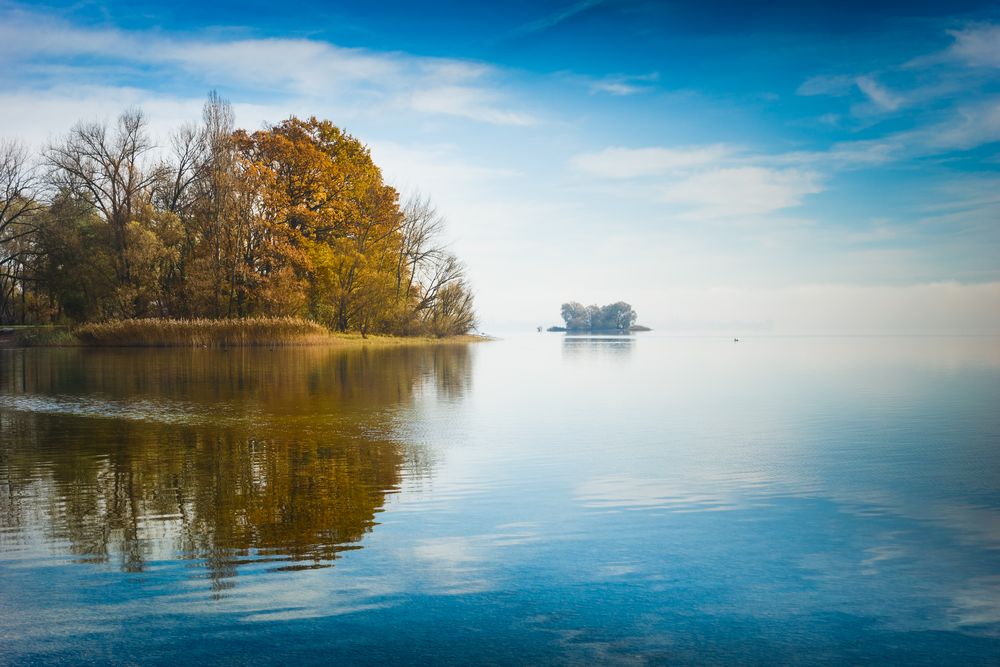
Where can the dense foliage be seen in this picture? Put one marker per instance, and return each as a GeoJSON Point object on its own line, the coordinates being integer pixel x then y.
{"type": "Point", "coordinates": [612, 317]}
{"type": "Point", "coordinates": [292, 220]}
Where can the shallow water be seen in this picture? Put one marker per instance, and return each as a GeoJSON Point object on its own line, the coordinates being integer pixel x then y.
{"type": "Point", "coordinates": [538, 499]}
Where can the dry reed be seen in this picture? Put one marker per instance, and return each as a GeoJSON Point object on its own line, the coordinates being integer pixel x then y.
{"type": "Point", "coordinates": [249, 332]}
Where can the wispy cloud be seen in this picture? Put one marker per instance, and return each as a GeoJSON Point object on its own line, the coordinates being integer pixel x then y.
{"type": "Point", "coordinates": [881, 96]}
{"type": "Point", "coordinates": [624, 84]}
{"type": "Point", "coordinates": [975, 45]}
{"type": "Point", "coordinates": [556, 18]}
{"type": "Point", "coordinates": [978, 45]}
{"type": "Point", "coordinates": [954, 82]}
{"type": "Point", "coordinates": [468, 102]}
{"type": "Point", "coordinates": [39, 52]}
{"type": "Point", "coordinates": [825, 84]}
{"type": "Point", "coordinates": [625, 163]}
{"type": "Point", "coordinates": [709, 182]}
{"type": "Point", "coordinates": [739, 192]}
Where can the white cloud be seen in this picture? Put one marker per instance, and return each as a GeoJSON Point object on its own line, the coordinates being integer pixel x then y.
{"type": "Point", "coordinates": [431, 167]}
{"type": "Point", "coordinates": [739, 192]}
{"type": "Point", "coordinates": [616, 87]}
{"type": "Point", "coordinates": [31, 44]}
{"type": "Point", "coordinates": [625, 163]}
{"type": "Point", "coordinates": [467, 102]}
{"type": "Point", "coordinates": [40, 116]}
{"type": "Point", "coordinates": [978, 45]}
{"type": "Point", "coordinates": [881, 96]}
{"type": "Point", "coordinates": [826, 85]}
{"type": "Point", "coordinates": [968, 126]}
{"type": "Point", "coordinates": [624, 84]}
{"type": "Point", "coordinates": [960, 128]}
{"type": "Point", "coordinates": [709, 182]}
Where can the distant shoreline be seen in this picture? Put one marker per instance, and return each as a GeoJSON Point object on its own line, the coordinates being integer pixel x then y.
{"type": "Point", "coordinates": [203, 333]}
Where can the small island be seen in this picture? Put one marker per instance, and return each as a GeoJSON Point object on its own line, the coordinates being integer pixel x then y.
{"type": "Point", "coordinates": [616, 317]}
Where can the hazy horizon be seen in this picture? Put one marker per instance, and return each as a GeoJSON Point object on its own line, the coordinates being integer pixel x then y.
{"type": "Point", "coordinates": [723, 169]}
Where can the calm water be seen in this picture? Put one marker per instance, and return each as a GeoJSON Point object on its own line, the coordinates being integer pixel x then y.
{"type": "Point", "coordinates": [539, 499]}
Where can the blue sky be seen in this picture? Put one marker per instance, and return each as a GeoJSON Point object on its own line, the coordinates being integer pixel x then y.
{"type": "Point", "coordinates": [792, 167]}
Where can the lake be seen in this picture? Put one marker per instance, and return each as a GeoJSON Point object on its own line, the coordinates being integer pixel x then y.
{"type": "Point", "coordinates": [539, 499]}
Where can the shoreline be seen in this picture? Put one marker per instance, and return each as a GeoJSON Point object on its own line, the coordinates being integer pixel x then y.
{"type": "Point", "coordinates": [212, 334]}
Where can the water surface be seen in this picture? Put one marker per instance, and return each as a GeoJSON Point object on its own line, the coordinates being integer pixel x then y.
{"type": "Point", "coordinates": [549, 498]}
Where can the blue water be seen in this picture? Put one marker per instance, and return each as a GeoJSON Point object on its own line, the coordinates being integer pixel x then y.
{"type": "Point", "coordinates": [540, 499]}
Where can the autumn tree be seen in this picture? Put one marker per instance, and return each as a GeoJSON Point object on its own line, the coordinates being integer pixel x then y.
{"type": "Point", "coordinates": [294, 219]}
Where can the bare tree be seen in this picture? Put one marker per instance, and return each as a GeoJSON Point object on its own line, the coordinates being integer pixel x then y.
{"type": "Point", "coordinates": [429, 274]}
{"type": "Point", "coordinates": [108, 168]}
{"type": "Point", "coordinates": [222, 224]}
{"type": "Point", "coordinates": [176, 191]}
{"type": "Point", "coordinates": [19, 188]}
{"type": "Point", "coordinates": [422, 228]}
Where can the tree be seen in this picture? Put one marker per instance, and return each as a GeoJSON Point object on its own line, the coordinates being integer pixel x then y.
{"type": "Point", "coordinates": [70, 229]}
{"type": "Point", "coordinates": [325, 189]}
{"type": "Point", "coordinates": [294, 219]}
{"type": "Point", "coordinates": [616, 316]}
{"type": "Point", "coordinates": [576, 316]}
{"type": "Point", "coordinates": [107, 167]}
{"type": "Point", "coordinates": [19, 204]}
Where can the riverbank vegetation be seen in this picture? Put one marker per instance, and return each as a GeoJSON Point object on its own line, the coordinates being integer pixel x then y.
{"type": "Point", "coordinates": [290, 228]}
{"type": "Point", "coordinates": [220, 333]}
{"type": "Point", "coordinates": [248, 332]}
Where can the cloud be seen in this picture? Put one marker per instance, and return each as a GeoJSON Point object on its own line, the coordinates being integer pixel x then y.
{"type": "Point", "coordinates": [625, 163]}
{"type": "Point", "coordinates": [879, 94]}
{"type": "Point", "coordinates": [739, 192]}
{"type": "Point", "coordinates": [556, 18]}
{"type": "Point", "coordinates": [41, 53]}
{"type": "Point", "coordinates": [838, 86]}
{"type": "Point", "coordinates": [707, 182]}
{"type": "Point", "coordinates": [962, 127]}
{"type": "Point", "coordinates": [976, 46]}
{"type": "Point", "coordinates": [473, 103]}
{"type": "Point", "coordinates": [826, 85]}
{"type": "Point", "coordinates": [432, 167]}
{"type": "Point", "coordinates": [968, 126]}
{"type": "Point", "coordinates": [624, 84]}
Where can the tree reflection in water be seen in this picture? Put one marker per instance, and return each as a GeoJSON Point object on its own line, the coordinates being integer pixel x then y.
{"type": "Point", "coordinates": [598, 345]}
{"type": "Point", "coordinates": [227, 458]}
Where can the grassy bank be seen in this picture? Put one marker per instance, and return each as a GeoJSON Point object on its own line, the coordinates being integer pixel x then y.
{"type": "Point", "coordinates": [250, 332]}
{"type": "Point", "coordinates": [37, 336]}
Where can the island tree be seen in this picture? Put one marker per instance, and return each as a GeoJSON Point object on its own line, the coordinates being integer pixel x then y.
{"type": "Point", "coordinates": [613, 317]}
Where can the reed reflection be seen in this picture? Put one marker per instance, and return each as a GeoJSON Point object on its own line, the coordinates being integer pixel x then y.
{"type": "Point", "coordinates": [282, 457]}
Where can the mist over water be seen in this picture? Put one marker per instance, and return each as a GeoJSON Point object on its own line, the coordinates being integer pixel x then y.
{"type": "Point", "coordinates": [543, 498]}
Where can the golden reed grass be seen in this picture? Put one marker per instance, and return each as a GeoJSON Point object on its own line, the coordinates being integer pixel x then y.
{"type": "Point", "coordinates": [249, 332]}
